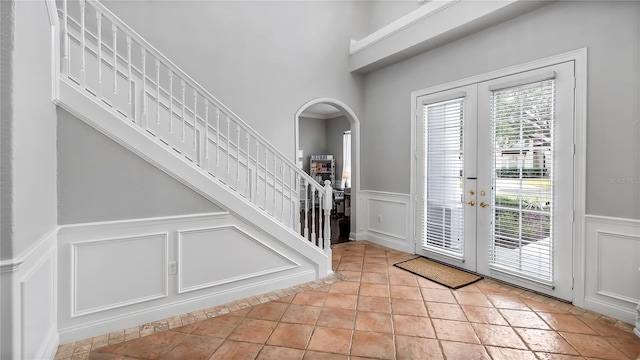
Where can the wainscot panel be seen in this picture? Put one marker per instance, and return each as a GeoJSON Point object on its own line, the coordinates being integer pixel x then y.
{"type": "Point", "coordinates": [30, 295]}
{"type": "Point", "coordinates": [612, 279]}
{"type": "Point", "coordinates": [119, 274]}
{"type": "Point", "coordinates": [386, 219]}
{"type": "Point", "coordinates": [202, 265]}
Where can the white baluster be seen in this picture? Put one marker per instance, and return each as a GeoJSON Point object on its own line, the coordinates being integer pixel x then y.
{"type": "Point", "coordinates": [291, 201]}
{"type": "Point", "coordinates": [195, 120]}
{"type": "Point", "coordinates": [65, 15]}
{"type": "Point", "coordinates": [320, 217]}
{"type": "Point", "coordinates": [328, 205]}
{"type": "Point", "coordinates": [237, 155]}
{"type": "Point", "coordinates": [275, 178]}
{"type": "Point", "coordinates": [228, 143]}
{"type": "Point", "coordinates": [184, 89]}
{"type": "Point", "coordinates": [170, 102]}
{"type": "Point", "coordinates": [204, 162]}
{"type": "Point", "coordinates": [217, 137]}
{"type": "Point", "coordinates": [248, 189]}
{"type": "Point", "coordinates": [306, 209]}
{"type": "Point", "coordinates": [114, 30]}
{"type": "Point", "coordinates": [99, 25]}
{"type": "Point", "coordinates": [266, 172]}
{"type": "Point", "coordinates": [129, 78]}
{"type": "Point", "coordinates": [206, 131]}
{"type": "Point", "coordinates": [83, 73]}
{"type": "Point", "coordinates": [157, 92]}
{"type": "Point", "coordinates": [282, 191]}
{"type": "Point", "coordinates": [257, 171]}
{"type": "Point", "coordinates": [145, 114]}
{"type": "Point", "coordinates": [313, 215]}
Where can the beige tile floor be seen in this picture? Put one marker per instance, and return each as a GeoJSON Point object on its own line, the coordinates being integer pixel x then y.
{"type": "Point", "coordinates": [372, 310]}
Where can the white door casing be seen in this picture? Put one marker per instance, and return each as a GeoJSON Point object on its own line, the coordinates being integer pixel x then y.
{"type": "Point", "coordinates": [556, 202]}
{"type": "Point", "coordinates": [452, 172]}
{"type": "Point", "coordinates": [477, 182]}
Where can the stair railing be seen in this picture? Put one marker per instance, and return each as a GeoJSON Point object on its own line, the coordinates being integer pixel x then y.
{"type": "Point", "coordinates": [107, 61]}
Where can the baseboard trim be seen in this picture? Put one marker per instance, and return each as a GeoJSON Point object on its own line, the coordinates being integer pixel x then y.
{"type": "Point", "coordinates": [388, 242]}
{"type": "Point", "coordinates": [49, 350]}
{"type": "Point", "coordinates": [609, 309]}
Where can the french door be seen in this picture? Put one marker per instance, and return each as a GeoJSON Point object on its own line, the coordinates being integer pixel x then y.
{"type": "Point", "coordinates": [495, 178]}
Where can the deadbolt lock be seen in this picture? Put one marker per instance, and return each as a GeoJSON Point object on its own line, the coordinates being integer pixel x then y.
{"type": "Point", "coordinates": [471, 192]}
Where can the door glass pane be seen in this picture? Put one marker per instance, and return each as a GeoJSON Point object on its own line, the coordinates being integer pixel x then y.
{"type": "Point", "coordinates": [522, 171]}
{"type": "Point", "coordinates": [443, 217]}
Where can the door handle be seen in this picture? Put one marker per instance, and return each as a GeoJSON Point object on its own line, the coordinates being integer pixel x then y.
{"type": "Point", "coordinates": [471, 202]}
{"type": "Point", "coordinates": [483, 204]}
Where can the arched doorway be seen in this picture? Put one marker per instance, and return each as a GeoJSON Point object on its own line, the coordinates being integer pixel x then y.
{"type": "Point", "coordinates": [327, 108]}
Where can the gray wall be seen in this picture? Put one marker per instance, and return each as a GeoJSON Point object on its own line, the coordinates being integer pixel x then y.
{"type": "Point", "coordinates": [32, 164]}
{"type": "Point", "coordinates": [382, 13]}
{"type": "Point", "coordinates": [6, 125]}
{"type": "Point", "coordinates": [610, 31]}
{"type": "Point", "coordinates": [313, 139]}
{"type": "Point", "coordinates": [335, 128]}
{"type": "Point", "coordinates": [99, 180]}
{"type": "Point", "coordinates": [319, 136]}
{"type": "Point", "coordinates": [263, 59]}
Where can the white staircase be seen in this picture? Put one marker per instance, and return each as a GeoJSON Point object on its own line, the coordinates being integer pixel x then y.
{"type": "Point", "coordinates": [110, 77]}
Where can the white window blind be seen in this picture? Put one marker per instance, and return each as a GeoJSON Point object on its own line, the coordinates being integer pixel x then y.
{"type": "Point", "coordinates": [443, 215]}
{"type": "Point", "coordinates": [522, 170]}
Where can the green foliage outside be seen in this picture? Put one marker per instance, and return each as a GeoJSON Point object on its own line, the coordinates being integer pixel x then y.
{"type": "Point", "coordinates": [517, 218]}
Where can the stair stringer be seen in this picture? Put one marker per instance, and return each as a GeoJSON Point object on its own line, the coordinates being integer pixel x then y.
{"type": "Point", "coordinates": [151, 150]}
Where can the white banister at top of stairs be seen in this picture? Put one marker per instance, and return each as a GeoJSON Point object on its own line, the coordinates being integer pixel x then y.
{"type": "Point", "coordinates": [107, 61]}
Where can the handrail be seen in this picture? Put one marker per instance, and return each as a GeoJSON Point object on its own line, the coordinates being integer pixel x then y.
{"type": "Point", "coordinates": [101, 63]}
{"type": "Point", "coordinates": [183, 75]}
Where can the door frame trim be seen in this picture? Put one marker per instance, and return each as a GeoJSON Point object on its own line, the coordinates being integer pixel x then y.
{"type": "Point", "coordinates": [354, 122]}
{"type": "Point", "coordinates": [579, 57]}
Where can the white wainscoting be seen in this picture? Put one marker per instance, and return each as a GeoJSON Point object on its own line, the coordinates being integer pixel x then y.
{"type": "Point", "coordinates": [385, 218]}
{"type": "Point", "coordinates": [201, 265]}
{"type": "Point", "coordinates": [30, 299]}
{"type": "Point", "coordinates": [142, 260]}
{"type": "Point", "coordinates": [612, 260]}
{"type": "Point", "coordinates": [119, 274]}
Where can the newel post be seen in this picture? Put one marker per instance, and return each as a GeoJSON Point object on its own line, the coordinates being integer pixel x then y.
{"type": "Point", "coordinates": [327, 206]}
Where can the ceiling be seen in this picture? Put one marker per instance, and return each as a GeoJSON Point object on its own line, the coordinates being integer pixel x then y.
{"type": "Point", "coordinates": [321, 111]}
